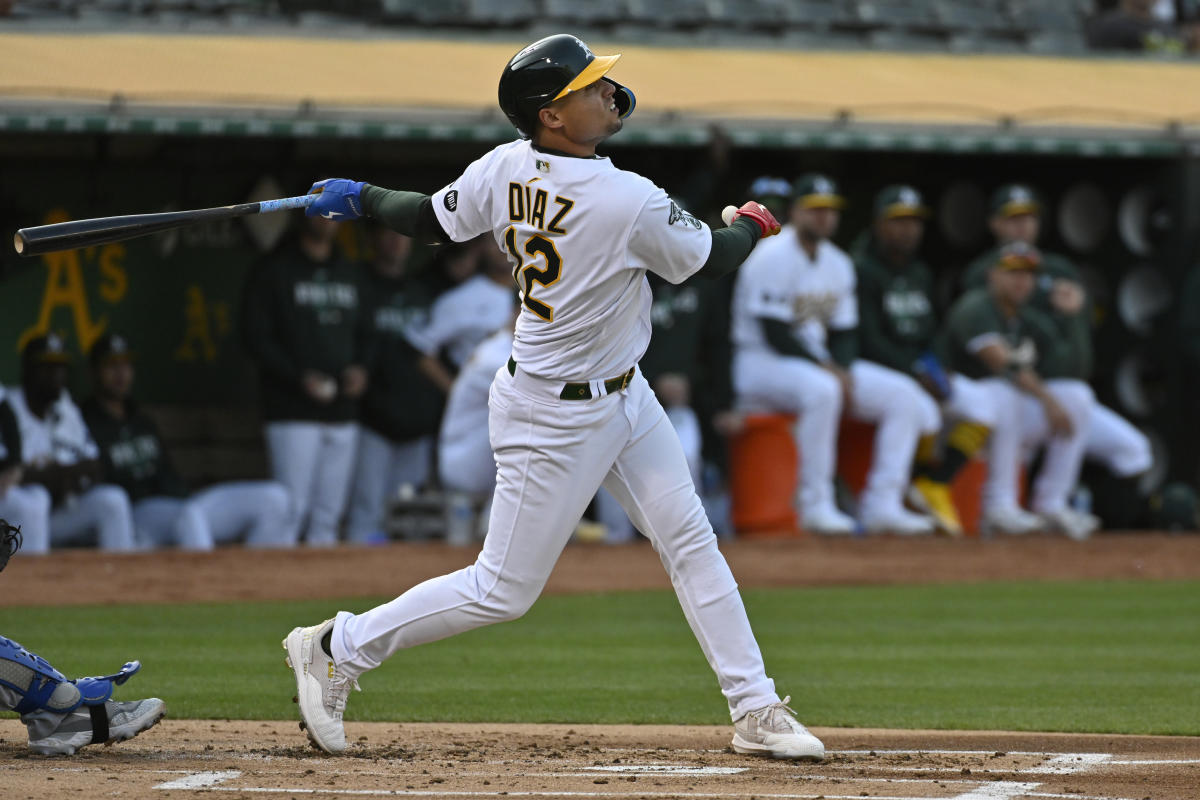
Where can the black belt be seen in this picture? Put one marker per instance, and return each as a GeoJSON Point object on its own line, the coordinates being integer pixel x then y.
{"type": "Point", "coordinates": [583, 391]}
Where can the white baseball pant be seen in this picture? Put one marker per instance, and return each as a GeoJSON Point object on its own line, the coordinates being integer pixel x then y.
{"type": "Point", "coordinates": [1022, 426]}
{"type": "Point", "coordinates": [1117, 444]}
{"type": "Point", "coordinates": [382, 467]}
{"type": "Point", "coordinates": [466, 465]}
{"type": "Point", "coordinates": [219, 514]}
{"type": "Point", "coordinates": [687, 428]}
{"type": "Point", "coordinates": [552, 455]}
{"type": "Point", "coordinates": [314, 460]}
{"type": "Point", "coordinates": [29, 507]}
{"type": "Point", "coordinates": [103, 511]}
{"type": "Point", "coordinates": [901, 410]}
{"type": "Point", "coordinates": [970, 400]}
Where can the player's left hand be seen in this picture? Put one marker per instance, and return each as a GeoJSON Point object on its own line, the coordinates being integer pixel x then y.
{"type": "Point", "coordinates": [757, 212]}
{"type": "Point", "coordinates": [338, 199]}
{"type": "Point", "coordinates": [354, 380]}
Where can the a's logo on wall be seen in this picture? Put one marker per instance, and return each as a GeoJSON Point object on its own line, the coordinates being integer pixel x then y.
{"type": "Point", "coordinates": [451, 200]}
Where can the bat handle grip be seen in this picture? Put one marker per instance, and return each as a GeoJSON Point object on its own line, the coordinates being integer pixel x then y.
{"type": "Point", "coordinates": [284, 203]}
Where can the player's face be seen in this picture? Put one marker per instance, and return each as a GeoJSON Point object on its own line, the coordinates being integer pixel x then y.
{"type": "Point", "coordinates": [46, 381]}
{"type": "Point", "coordinates": [1017, 228]}
{"type": "Point", "coordinates": [114, 378]}
{"type": "Point", "coordinates": [391, 252]}
{"type": "Point", "coordinates": [901, 234]}
{"type": "Point", "coordinates": [1014, 285]}
{"type": "Point", "coordinates": [816, 223]}
{"type": "Point", "coordinates": [587, 116]}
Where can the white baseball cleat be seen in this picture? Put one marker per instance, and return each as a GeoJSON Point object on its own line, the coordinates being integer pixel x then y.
{"type": "Point", "coordinates": [774, 731]}
{"type": "Point", "coordinates": [1075, 524]}
{"type": "Point", "coordinates": [828, 521]}
{"type": "Point", "coordinates": [321, 689]}
{"type": "Point", "coordinates": [1013, 521]}
{"type": "Point", "coordinates": [899, 521]}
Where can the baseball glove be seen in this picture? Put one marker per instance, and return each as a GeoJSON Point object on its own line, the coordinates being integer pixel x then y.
{"type": "Point", "coordinates": [10, 541]}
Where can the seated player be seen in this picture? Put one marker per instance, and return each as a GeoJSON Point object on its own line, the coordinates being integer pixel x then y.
{"type": "Point", "coordinates": [135, 458]}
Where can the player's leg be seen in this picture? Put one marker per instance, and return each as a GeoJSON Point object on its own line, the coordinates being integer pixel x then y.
{"type": "Point", "coordinates": [796, 386]}
{"type": "Point", "coordinates": [467, 471]}
{"type": "Point", "coordinates": [1116, 443]}
{"type": "Point", "coordinates": [28, 507]}
{"type": "Point", "coordinates": [902, 412]}
{"type": "Point", "coordinates": [368, 494]}
{"type": "Point", "coordinates": [154, 519]}
{"type": "Point", "coordinates": [1015, 420]}
{"type": "Point", "coordinates": [103, 510]}
{"type": "Point", "coordinates": [259, 509]}
{"type": "Point", "coordinates": [62, 716]}
{"type": "Point", "coordinates": [551, 456]}
{"type": "Point", "coordinates": [293, 449]}
{"type": "Point", "coordinates": [1063, 460]}
{"type": "Point", "coordinates": [331, 482]}
{"type": "Point", "coordinates": [971, 415]}
{"type": "Point", "coordinates": [651, 479]}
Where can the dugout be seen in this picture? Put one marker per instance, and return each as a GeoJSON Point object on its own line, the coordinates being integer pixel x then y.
{"type": "Point", "coordinates": [107, 123]}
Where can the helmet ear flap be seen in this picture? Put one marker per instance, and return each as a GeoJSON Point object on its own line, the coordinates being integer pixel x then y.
{"type": "Point", "coordinates": [623, 98]}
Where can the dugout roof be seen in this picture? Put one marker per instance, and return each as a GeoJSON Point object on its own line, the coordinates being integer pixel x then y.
{"type": "Point", "coordinates": [418, 88]}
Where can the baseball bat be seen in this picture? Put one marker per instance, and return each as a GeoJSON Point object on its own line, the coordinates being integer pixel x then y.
{"type": "Point", "coordinates": [102, 230]}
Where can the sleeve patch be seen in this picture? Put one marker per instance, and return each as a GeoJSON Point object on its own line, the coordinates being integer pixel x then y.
{"type": "Point", "coordinates": [679, 215]}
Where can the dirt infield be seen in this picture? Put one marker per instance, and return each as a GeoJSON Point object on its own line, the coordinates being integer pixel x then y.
{"type": "Point", "coordinates": [187, 759]}
{"type": "Point", "coordinates": [233, 574]}
{"type": "Point", "coordinates": [182, 758]}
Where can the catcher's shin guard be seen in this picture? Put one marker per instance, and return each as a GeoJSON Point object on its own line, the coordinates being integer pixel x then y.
{"type": "Point", "coordinates": [41, 686]}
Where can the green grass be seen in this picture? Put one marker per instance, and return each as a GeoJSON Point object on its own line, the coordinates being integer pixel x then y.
{"type": "Point", "coordinates": [1120, 657]}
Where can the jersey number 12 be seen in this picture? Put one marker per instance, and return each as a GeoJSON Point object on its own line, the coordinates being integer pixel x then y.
{"type": "Point", "coordinates": [526, 275]}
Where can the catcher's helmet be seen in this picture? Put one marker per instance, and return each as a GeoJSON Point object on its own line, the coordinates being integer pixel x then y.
{"type": "Point", "coordinates": [551, 68]}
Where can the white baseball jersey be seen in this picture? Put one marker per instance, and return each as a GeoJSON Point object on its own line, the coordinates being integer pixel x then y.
{"type": "Point", "coordinates": [585, 298]}
{"type": "Point", "coordinates": [779, 281]}
{"type": "Point", "coordinates": [463, 317]}
{"type": "Point", "coordinates": [61, 438]}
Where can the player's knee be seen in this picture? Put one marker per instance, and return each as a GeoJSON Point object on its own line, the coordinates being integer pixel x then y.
{"type": "Point", "coordinates": [111, 500]}
{"type": "Point", "coordinates": [822, 391]}
{"type": "Point", "coordinates": [1135, 456]}
{"type": "Point", "coordinates": [511, 599]}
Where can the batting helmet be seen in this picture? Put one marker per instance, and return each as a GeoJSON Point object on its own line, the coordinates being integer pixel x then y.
{"type": "Point", "coordinates": [549, 69]}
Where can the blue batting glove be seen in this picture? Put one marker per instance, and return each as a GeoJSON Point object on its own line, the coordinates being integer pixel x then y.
{"type": "Point", "coordinates": [337, 199]}
{"type": "Point", "coordinates": [928, 367]}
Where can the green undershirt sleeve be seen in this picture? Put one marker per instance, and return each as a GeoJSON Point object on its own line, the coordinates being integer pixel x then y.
{"type": "Point", "coordinates": [843, 345]}
{"type": "Point", "coordinates": [730, 247]}
{"type": "Point", "coordinates": [779, 337]}
{"type": "Point", "coordinates": [410, 213]}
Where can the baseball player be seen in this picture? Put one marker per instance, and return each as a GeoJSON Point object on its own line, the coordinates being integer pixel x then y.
{"type": "Point", "coordinates": [994, 335]}
{"type": "Point", "coordinates": [400, 409]}
{"type": "Point", "coordinates": [795, 315]}
{"type": "Point", "coordinates": [302, 322]}
{"type": "Point", "coordinates": [60, 454]}
{"type": "Point", "coordinates": [569, 410]}
{"type": "Point", "coordinates": [62, 716]}
{"type": "Point", "coordinates": [464, 316]}
{"type": "Point", "coordinates": [686, 363]}
{"type": "Point", "coordinates": [28, 504]}
{"type": "Point", "coordinates": [136, 459]}
{"type": "Point", "coordinates": [1059, 294]}
{"type": "Point", "coordinates": [898, 329]}
{"type": "Point", "coordinates": [466, 469]}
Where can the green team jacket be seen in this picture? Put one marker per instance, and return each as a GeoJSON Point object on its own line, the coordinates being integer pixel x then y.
{"type": "Point", "coordinates": [132, 452]}
{"type": "Point", "coordinates": [1030, 334]}
{"type": "Point", "coordinates": [400, 403]}
{"type": "Point", "coordinates": [896, 322]}
{"type": "Point", "coordinates": [1074, 341]}
{"type": "Point", "coordinates": [300, 315]}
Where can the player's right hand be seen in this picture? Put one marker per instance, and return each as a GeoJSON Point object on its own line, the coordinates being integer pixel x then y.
{"type": "Point", "coordinates": [757, 212]}
{"type": "Point", "coordinates": [338, 199]}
